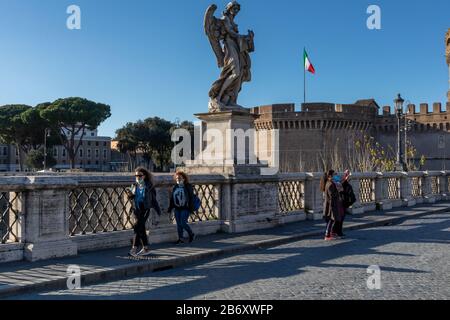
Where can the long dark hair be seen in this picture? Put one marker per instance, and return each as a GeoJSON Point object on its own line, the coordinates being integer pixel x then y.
{"type": "Point", "coordinates": [323, 181]}
{"type": "Point", "coordinates": [148, 176]}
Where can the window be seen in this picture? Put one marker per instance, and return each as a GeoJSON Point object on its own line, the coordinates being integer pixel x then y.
{"type": "Point", "coordinates": [96, 162]}
{"type": "Point", "coordinates": [55, 152]}
{"type": "Point", "coordinates": [96, 143]}
{"type": "Point", "coordinates": [92, 134]}
{"type": "Point", "coordinates": [89, 143]}
{"type": "Point", "coordinates": [5, 151]}
{"type": "Point", "coordinates": [89, 162]}
{"type": "Point", "coordinates": [96, 153]}
{"type": "Point", "coordinates": [104, 144]}
{"type": "Point", "coordinates": [104, 154]}
{"type": "Point", "coordinates": [81, 153]}
{"type": "Point", "coordinates": [88, 153]}
{"type": "Point", "coordinates": [64, 152]}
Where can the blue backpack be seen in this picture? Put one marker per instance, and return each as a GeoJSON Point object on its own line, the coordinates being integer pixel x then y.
{"type": "Point", "coordinates": [197, 203]}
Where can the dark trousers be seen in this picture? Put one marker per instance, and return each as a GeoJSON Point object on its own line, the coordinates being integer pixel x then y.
{"type": "Point", "coordinates": [330, 226]}
{"type": "Point", "coordinates": [182, 217]}
{"type": "Point", "coordinates": [339, 226]}
{"type": "Point", "coordinates": [140, 234]}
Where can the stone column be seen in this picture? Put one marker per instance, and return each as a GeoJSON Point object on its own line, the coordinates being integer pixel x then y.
{"type": "Point", "coordinates": [443, 185]}
{"type": "Point", "coordinates": [46, 221]}
{"type": "Point", "coordinates": [226, 213]}
{"type": "Point", "coordinates": [357, 207]}
{"type": "Point", "coordinates": [406, 190]}
{"type": "Point", "coordinates": [428, 197]}
{"type": "Point", "coordinates": [381, 195]}
{"type": "Point", "coordinates": [313, 196]}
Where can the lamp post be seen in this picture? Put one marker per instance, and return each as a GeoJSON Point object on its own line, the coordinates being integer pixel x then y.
{"type": "Point", "coordinates": [400, 165]}
{"type": "Point", "coordinates": [46, 134]}
{"type": "Point", "coordinates": [408, 127]}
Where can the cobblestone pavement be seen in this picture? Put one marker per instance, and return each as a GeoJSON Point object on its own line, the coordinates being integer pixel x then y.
{"type": "Point", "coordinates": [414, 258]}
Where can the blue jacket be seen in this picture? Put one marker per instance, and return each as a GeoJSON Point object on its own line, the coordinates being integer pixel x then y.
{"type": "Point", "coordinates": [150, 201]}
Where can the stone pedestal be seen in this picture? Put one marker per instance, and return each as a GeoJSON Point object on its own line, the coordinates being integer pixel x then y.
{"type": "Point", "coordinates": [228, 145]}
{"type": "Point", "coordinates": [46, 219]}
{"type": "Point", "coordinates": [314, 198]}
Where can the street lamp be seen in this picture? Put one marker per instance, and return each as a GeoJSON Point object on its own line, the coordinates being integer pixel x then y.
{"type": "Point", "coordinates": [46, 134]}
{"type": "Point", "coordinates": [400, 165]}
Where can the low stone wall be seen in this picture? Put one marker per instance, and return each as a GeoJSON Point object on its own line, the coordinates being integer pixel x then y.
{"type": "Point", "coordinates": [44, 217]}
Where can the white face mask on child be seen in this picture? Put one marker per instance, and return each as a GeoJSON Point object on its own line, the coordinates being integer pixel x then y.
{"type": "Point", "coordinates": [180, 181]}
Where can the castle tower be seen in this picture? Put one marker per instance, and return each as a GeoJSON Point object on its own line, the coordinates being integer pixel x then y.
{"type": "Point", "coordinates": [447, 54]}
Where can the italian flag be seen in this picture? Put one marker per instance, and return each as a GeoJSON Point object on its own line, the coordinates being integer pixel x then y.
{"type": "Point", "coordinates": [308, 65]}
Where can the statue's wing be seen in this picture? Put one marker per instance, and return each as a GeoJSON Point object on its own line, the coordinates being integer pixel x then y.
{"type": "Point", "coordinates": [213, 31]}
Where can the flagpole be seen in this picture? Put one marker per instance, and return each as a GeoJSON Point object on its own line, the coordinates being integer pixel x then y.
{"type": "Point", "coordinates": [304, 77]}
{"type": "Point", "coordinates": [304, 85]}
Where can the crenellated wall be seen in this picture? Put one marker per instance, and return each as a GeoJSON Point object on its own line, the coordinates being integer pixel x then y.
{"type": "Point", "coordinates": [306, 134]}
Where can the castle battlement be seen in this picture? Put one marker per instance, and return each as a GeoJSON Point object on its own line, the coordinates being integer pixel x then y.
{"type": "Point", "coordinates": [423, 109]}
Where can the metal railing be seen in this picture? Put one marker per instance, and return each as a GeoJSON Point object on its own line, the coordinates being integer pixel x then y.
{"type": "Point", "coordinates": [416, 186]}
{"type": "Point", "coordinates": [393, 188]}
{"type": "Point", "coordinates": [366, 190]}
{"type": "Point", "coordinates": [9, 217]}
{"type": "Point", "coordinates": [290, 196]}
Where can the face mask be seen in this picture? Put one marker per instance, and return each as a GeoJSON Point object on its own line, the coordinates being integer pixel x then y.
{"type": "Point", "coordinates": [140, 180]}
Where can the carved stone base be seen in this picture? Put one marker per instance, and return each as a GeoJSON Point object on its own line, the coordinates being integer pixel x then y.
{"type": "Point", "coordinates": [215, 106]}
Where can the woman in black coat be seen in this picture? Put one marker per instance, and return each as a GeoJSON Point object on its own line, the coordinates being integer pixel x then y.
{"type": "Point", "coordinates": [144, 195]}
{"type": "Point", "coordinates": [332, 207]}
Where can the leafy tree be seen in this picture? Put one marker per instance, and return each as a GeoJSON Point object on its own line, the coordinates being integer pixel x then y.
{"type": "Point", "coordinates": [158, 139]}
{"type": "Point", "coordinates": [35, 159]}
{"type": "Point", "coordinates": [72, 116]}
{"type": "Point", "coordinates": [12, 128]}
{"type": "Point", "coordinates": [128, 143]}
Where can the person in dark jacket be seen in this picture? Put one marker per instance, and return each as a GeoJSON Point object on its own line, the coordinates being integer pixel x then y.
{"type": "Point", "coordinates": [333, 207]}
{"type": "Point", "coordinates": [144, 195]}
{"type": "Point", "coordinates": [348, 199]}
{"type": "Point", "coordinates": [182, 200]}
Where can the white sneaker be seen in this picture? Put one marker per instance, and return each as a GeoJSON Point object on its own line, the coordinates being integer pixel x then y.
{"type": "Point", "coordinates": [132, 252]}
{"type": "Point", "coordinates": [144, 253]}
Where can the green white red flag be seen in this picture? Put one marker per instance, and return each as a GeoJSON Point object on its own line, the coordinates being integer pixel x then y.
{"type": "Point", "coordinates": [307, 63]}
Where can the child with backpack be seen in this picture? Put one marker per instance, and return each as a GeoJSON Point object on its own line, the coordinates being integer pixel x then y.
{"type": "Point", "coordinates": [184, 202]}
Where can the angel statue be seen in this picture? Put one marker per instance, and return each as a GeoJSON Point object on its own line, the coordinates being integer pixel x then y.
{"type": "Point", "coordinates": [232, 52]}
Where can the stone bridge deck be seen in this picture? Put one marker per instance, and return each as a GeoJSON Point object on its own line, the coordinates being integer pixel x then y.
{"type": "Point", "coordinates": [25, 277]}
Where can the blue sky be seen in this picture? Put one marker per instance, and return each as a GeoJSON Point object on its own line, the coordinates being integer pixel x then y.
{"type": "Point", "coordinates": [151, 58]}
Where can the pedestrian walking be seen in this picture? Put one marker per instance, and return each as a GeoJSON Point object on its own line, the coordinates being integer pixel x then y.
{"type": "Point", "coordinates": [144, 195]}
{"type": "Point", "coordinates": [348, 199]}
{"type": "Point", "coordinates": [333, 209]}
{"type": "Point", "coordinates": [182, 201]}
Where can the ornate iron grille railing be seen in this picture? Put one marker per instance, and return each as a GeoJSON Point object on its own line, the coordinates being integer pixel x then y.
{"type": "Point", "coordinates": [393, 188]}
{"type": "Point", "coordinates": [435, 185]}
{"type": "Point", "coordinates": [209, 196]}
{"type": "Point", "coordinates": [416, 185]}
{"type": "Point", "coordinates": [290, 196]}
{"type": "Point", "coordinates": [9, 217]}
{"type": "Point", "coordinates": [366, 190]}
{"type": "Point", "coordinates": [99, 209]}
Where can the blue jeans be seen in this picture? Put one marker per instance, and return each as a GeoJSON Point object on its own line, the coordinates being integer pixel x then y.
{"type": "Point", "coordinates": [181, 217]}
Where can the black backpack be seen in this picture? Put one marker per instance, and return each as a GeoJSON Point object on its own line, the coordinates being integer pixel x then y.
{"type": "Point", "coordinates": [349, 195]}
